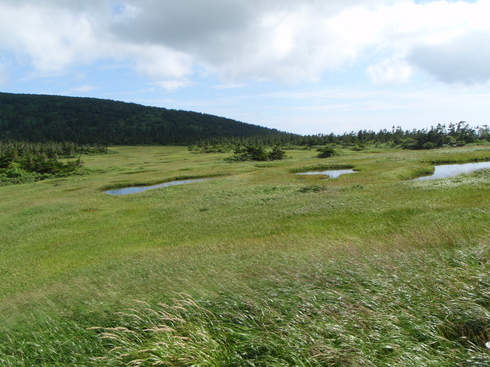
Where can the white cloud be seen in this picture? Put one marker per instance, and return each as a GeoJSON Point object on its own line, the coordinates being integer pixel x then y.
{"type": "Point", "coordinates": [50, 38]}
{"type": "Point", "coordinates": [158, 62]}
{"type": "Point", "coordinates": [241, 40]}
{"type": "Point", "coordinates": [390, 71]}
{"type": "Point", "coordinates": [465, 59]}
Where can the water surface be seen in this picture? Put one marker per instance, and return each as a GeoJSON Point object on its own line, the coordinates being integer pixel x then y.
{"type": "Point", "coordinates": [333, 173]}
{"type": "Point", "coordinates": [450, 170]}
{"type": "Point", "coordinates": [137, 189]}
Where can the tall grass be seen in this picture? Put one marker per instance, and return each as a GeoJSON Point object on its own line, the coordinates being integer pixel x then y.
{"type": "Point", "coordinates": [405, 308]}
{"type": "Point", "coordinates": [248, 269]}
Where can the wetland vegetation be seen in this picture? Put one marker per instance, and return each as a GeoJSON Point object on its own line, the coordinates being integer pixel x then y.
{"type": "Point", "coordinates": [256, 267]}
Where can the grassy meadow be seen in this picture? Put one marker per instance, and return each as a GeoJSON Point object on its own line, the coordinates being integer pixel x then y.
{"type": "Point", "coordinates": [258, 266]}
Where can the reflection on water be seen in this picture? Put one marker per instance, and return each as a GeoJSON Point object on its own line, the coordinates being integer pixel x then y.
{"type": "Point", "coordinates": [136, 189]}
{"type": "Point", "coordinates": [330, 173]}
{"type": "Point", "coordinates": [450, 170]}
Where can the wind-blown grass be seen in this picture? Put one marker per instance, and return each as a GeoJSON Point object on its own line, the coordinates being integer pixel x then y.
{"type": "Point", "coordinates": [378, 310]}
{"type": "Point", "coordinates": [367, 270]}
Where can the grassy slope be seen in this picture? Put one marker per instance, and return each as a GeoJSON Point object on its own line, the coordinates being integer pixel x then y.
{"type": "Point", "coordinates": [361, 269]}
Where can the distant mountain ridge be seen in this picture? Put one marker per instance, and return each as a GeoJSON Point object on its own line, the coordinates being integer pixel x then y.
{"type": "Point", "coordinates": [32, 117]}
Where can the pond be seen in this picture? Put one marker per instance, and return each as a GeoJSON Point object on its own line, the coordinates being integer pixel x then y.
{"type": "Point", "coordinates": [450, 170]}
{"type": "Point", "coordinates": [137, 189]}
{"type": "Point", "coordinates": [334, 173]}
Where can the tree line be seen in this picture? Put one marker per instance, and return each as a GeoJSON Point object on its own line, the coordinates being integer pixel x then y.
{"type": "Point", "coordinates": [454, 134]}
{"type": "Point", "coordinates": [40, 118]}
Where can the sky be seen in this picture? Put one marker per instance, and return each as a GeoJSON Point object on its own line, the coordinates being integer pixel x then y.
{"type": "Point", "coordinates": [301, 66]}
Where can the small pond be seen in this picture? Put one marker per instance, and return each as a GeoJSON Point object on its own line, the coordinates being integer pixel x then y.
{"type": "Point", "coordinates": [450, 170]}
{"type": "Point", "coordinates": [330, 173]}
{"type": "Point", "coordinates": [137, 189]}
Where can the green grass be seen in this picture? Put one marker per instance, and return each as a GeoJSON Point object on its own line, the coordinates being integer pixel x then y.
{"type": "Point", "coordinates": [266, 268]}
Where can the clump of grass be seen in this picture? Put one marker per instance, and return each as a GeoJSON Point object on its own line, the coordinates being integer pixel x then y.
{"type": "Point", "coordinates": [169, 335]}
{"type": "Point", "coordinates": [266, 165]}
{"type": "Point", "coordinates": [420, 171]}
{"type": "Point", "coordinates": [312, 188]}
{"type": "Point", "coordinates": [139, 171]}
{"type": "Point", "coordinates": [187, 334]}
{"type": "Point", "coordinates": [51, 342]}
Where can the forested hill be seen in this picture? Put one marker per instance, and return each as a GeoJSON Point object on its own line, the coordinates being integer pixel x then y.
{"type": "Point", "coordinates": [38, 118]}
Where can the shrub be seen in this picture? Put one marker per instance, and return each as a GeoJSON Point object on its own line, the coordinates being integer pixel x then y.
{"type": "Point", "coordinates": [256, 153]}
{"type": "Point", "coordinates": [326, 152]}
{"type": "Point", "coordinates": [276, 154]}
{"type": "Point", "coordinates": [15, 174]}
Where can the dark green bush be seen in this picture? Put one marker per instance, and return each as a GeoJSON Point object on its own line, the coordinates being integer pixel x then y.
{"type": "Point", "coordinates": [22, 162]}
{"type": "Point", "coordinates": [256, 153]}
{"type": "Point", "coordinates": [326, 152]}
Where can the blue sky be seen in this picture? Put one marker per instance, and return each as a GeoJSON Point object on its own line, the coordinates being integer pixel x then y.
{"type": "Point", "coordinates": [308, 67]}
